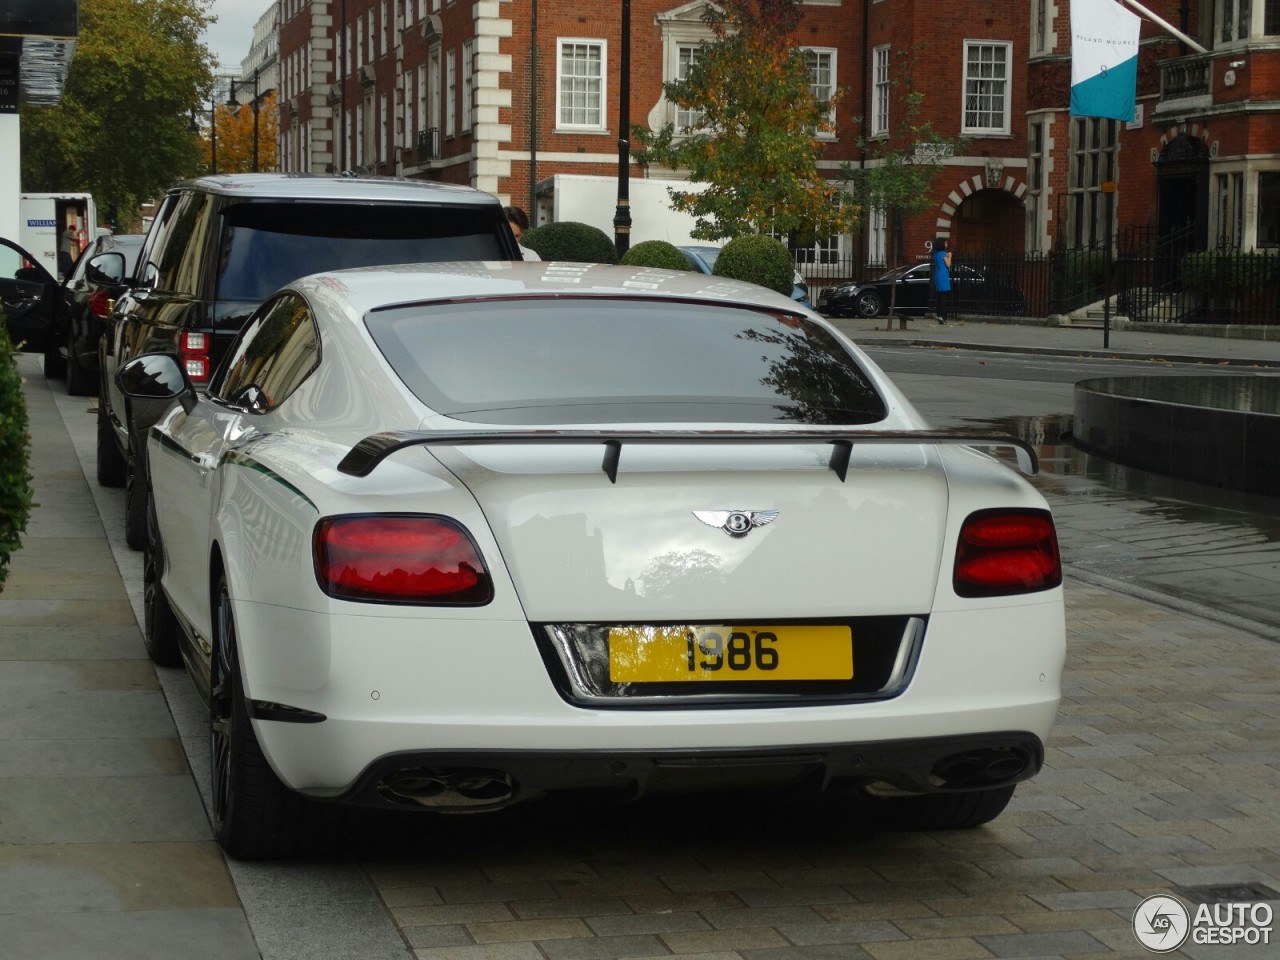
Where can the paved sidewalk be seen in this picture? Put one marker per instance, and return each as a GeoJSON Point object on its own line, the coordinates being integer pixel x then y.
{"type": "Point", "coordinates": [1034, 336]}
{"type": "Point", "coordinates": [1162, 773]}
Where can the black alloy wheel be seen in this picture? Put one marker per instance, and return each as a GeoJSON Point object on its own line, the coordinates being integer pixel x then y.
{"type": "Point", "coordinates": [159, 625]}
{"type": "Point", "coordinates": [137, 491]}
{"type": "Point", "coordinates": [111, 465]}
{"type": "Point", "coordinates": [255, 816]}
{"type": "Point", "coordinates": [868, 304]}
{"type": "Point", "coordinates": [80, 383]}
{"type": "Point", "coordinates": [55, 368]}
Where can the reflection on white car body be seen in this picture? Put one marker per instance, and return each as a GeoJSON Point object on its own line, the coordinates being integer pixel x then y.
{"type": "Point", "coordinates": [438, 536]}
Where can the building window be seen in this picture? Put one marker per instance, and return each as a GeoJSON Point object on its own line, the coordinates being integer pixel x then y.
{"type": "Point", "coordinates": [1269, 210]}
{"type": "Point", "coordinates": [433, 88]}
{"type": "Point", "coordinates": [877, 235]}
{"type": "Point", "coordinates": [580, 84]}
{"type": "Point", "coordinates": [371, 36]}
{"type": "Point", "coordinates": [880, 91]}
{"type": "Point", "coordinates": [386, 29]}
{"type": "Point", "coordinates": [986, 87]}
{"type": "Point", "coordinates": [822, 80]}
{"type": "Point", "coordinates": [1039, 26]}
{"type": "Point", "coordinates": [1237, 19]}
{"type": "Point", "coordinates": [450, 92]}
{"type": "Point", "coordinates": [406, 110]}
{"type": "Point", "coordinates": [1035, 185]}
{"type": "Point", "coordinates": [1230, 202]}
{"type": "Point", "coordinates": [1271, 18]}
{"type": "Point", "coordinates": [382, 129]}
{"type": "Point", "coordinates": [422, 97]}
{"type": "Point", "coordinates": [1093, 163]}
{"type": "Point", "coordinates": [468, 63]}
{"type": "Point", "coordinates": [686, 120]}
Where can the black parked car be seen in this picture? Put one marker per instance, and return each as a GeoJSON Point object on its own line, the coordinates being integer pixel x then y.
{"type": "Point", "coordinates": [87, 296]}
{"type": "Point", "coordinates": [220, 245]}
{"type": "Point", "coordinates": [972, 292]}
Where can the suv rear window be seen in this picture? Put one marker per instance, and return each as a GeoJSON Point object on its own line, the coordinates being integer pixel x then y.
{"type": "Point", "coordinates": [266, 245]}
{"type": "Point", "coordinates": [603, 360]}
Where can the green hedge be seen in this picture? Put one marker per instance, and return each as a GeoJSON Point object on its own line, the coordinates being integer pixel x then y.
{"type": "Point", "coordinates": [15, 486]}
{"type": "Point", "coordinates": [656, 253]}
{"type": "Point", "coordinates": [569, 240]}
{"type": "Point", "coordinates": [757, 259]}
{"type": "Point", "coordinates": [1231, 271]}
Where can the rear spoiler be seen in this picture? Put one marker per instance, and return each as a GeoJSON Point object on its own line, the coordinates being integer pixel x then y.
{"type": "Point", "coordinates": [361, 460]}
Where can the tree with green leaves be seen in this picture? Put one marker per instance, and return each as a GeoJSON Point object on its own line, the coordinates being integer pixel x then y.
{"type": "Point", "coordinates": [900, 165]}
{"type": "Point", "coordinates": [122, 130]}
{"type": "Point", "coordinates": [756, 137]}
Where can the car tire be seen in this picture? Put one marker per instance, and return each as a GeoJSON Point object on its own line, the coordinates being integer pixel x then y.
{"type": "Point", "coordinates": [159, 625]}
{"type": "Point", "coordinates": [868, 304]}
{"type": "Point", "coordinates": [112, 470]}
{"type": "Point", "coordinates": [255, 816]}
{"type": "Point", "coordinates": [943, 811]}
{"type": "Point", "coordinates": [79, 382]}
{"type": "Point", "coordinates": [55, 367]}
{"type": "Point", "coordinates": [135, 506]}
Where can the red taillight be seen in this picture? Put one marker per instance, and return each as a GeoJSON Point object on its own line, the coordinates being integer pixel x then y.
{"type": "Point", "coordinates": [1004, 552]}
{"type": "Point", "coordinates": [193, 348]}
{"type": "Point", "coordinates": [100, 304]}
{"type": "Point", "coordinates": [399, 559]}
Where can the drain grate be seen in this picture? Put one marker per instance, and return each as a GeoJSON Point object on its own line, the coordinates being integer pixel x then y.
{"type": "Point", "coordinates": [1227, 893]}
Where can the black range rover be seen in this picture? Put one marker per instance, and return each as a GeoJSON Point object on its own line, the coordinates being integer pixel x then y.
{"type": "Point", "coordinates": [220, 245]}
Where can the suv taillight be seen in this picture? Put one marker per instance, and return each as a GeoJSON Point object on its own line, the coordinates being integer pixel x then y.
{"type": "Point", "coordinates": [1003, 552]}
{"type": "Point", "coordinates": [399, 558]}
{"type": "Point", "coordinates": [100, 304]}
{"type": "Point", "coordinates": [193, 348]}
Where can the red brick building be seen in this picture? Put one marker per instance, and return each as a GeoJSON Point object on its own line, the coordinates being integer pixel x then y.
{"type": "Point", "coordinates": [513, 96]}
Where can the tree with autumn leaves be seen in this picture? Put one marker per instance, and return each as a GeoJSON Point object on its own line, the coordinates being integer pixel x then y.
{"type": "Point", "coordinates": [235, 136]}
{"type": "Point", "coordinates": [757, 139]}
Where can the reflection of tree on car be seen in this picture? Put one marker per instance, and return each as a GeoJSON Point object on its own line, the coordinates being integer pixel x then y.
{"type": "Point", "coordinates": [973, 291]}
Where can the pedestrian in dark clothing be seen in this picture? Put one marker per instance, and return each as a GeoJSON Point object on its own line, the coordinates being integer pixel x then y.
{"type": "Point", "coordinates": [942, 279]}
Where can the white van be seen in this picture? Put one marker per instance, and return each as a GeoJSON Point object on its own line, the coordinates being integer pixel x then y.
{"type": "Point", "coordinates": [44, 217]}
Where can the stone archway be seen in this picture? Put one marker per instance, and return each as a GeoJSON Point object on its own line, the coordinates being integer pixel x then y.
{"type": "Point", "coordinates": [985, 214]}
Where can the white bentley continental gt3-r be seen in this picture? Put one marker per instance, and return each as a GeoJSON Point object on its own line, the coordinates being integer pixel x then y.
{"type": "Point", "coordinates": [455, 536]}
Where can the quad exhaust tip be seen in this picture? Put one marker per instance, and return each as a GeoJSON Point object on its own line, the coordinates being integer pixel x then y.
{"type": "Point", "coordinates": [455, 788]}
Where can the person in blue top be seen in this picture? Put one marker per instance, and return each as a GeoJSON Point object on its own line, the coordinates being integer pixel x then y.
{"type": "Point", "coordinates": [942, 279]}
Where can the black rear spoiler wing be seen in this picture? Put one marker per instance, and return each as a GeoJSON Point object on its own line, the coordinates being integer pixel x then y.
{"type": "Point", "coordinates": [365, 456]}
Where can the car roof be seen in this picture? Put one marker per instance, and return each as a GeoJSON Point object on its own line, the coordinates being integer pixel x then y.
{"type": "Point", "coordinates": [369, 288]}
{"type": "Point", "coordinates": [305, 186]}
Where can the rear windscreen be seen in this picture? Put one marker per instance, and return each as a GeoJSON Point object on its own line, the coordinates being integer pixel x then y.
{"type": "Point", "coordinates": [267, 245]}
{"type": "Point", "coordinates": [599, 360]}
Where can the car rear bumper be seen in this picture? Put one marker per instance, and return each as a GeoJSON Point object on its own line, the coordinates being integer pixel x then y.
{"type": "Point", "coordinates": [469, 692]}
{"type": "Point", "coordinates": [470, 780]}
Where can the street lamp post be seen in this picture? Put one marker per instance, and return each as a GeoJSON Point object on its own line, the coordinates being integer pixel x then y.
{"type": "Point", "coordinates": [213, 130]}
{"type": "Point", "coordinates": [233, 102]}
{"type": "Point", "coordinates": [622, 216]}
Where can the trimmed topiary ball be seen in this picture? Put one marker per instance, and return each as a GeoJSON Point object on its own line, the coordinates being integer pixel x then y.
{"type": "Point", "coordinates": [757, 259]}
{"type": "Point", "coordinates": [656, 253]}
{"type": "Point", "coordinates": [569, 240]}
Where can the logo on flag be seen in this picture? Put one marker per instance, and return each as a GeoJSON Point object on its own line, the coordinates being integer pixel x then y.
{"type": "Point", "coordinates": [1104, 59]}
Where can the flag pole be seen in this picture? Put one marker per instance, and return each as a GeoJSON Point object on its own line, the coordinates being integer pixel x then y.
{"type": "Point", "coordinates": [1167, 26]}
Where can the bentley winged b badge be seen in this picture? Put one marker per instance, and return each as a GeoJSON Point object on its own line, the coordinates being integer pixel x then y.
{"type": "Point", "coordinates": [736, 523]}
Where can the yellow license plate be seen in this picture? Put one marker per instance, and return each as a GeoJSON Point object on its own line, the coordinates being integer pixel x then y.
{"type": "Point", "coordinates": [714, 652]}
